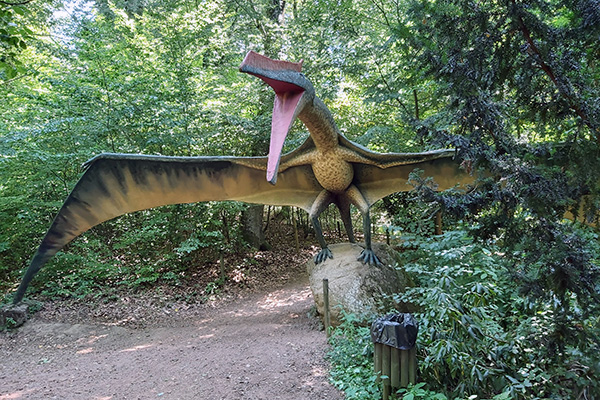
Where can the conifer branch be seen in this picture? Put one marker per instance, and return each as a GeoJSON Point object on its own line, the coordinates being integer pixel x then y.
{"type": "Point", "coordinates": [573, 104]}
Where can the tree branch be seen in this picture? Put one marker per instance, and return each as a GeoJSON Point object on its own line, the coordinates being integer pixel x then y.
{"type": "Point", "coordinates": [22, 3]}
{"type": "Point", "coordinates": [573, 105]}
{"type": "Point", "coordinates": [6, 82]}
{"type": "Point", "coordinates": [383, 13]}
{"type": "Point", "coordinates": [416, 104]}
{"type": "Point", "coordinates": [387, 85]}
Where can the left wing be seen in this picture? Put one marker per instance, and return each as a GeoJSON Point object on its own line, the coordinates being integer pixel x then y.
{"type": "Point", "coordinates": [117, 184]}
{"type": "Point", "coordinates": [375, 182]}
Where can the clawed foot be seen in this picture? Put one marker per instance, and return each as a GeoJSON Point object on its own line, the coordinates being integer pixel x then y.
{"type": "Point", "coordinates": [323, 255]}
{"type": "Point", "coordinates": [367, 256]}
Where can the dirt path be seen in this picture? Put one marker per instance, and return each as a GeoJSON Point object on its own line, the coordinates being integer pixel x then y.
{"type": "Point", "coordinates": [261, 346]}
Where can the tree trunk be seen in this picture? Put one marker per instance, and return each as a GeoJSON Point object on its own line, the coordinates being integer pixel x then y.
{"type": "Point", "coordinates": [438, 223]}
{"type": "Point", "coordinates": [252, 219]}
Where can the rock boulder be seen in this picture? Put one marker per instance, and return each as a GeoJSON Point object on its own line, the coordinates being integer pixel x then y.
{"type": "Point", "coordinates": [12, 316]}
{"type": "Point", "coordinates": [360, 289]}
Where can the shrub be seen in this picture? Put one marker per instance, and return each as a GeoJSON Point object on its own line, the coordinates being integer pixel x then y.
{"type": "Point", "coordinates": [351, 358]}
{"type": "Point", "coordinates": [480, 336]}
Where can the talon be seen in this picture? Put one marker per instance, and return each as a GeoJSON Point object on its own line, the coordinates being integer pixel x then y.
{"type": "Point", "coordinates": [323, 255]}
{"type": "Point", "coordinates": [368, 256]}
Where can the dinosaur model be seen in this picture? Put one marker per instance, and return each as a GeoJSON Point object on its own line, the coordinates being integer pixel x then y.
{"type": "Point", "coordinates": [327, 168]}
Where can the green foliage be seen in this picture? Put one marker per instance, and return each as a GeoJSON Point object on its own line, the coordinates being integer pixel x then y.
{"type": "Point", "coordinates": [513, 85]}
{"type": "Point", "coordinates": [148, 247]}
{"type": "Point", "coordinates": [351, 358]}
{"type": "Point", "coordinates": [159, 78]}
{"type": "Point", "coordinates": [22, 23]}
{"type": "Point", "coordinates": [214, 288]}
{"type": "Point", "coordinates": [9, 324]}
{"type": "Point", "coordinates": [408, 214]}
{"type": "Point", "coordinates": [420, 392]}
{"type": "Point", "coordinates": [115, 83]}
{"type": "Point", "coordinates": [12, 39]}
{"type": "Point", "coordinates": [479, 335]}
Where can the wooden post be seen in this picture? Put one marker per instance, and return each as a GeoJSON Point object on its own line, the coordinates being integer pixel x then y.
{"type": "Point", "coordinates": [385, 370]}
{"type": "Point", "coordinates": [378, 348]}
{"type": "Point", "coordinates": [438, 223]}
{"type": "Point", "coordinates": [404, 367]}
{"type": "Point", "coordinates": [412, 366]}
{"type": "Point", "coordinates": [395, 368]}
{"type": "Point", "coordinates": [326, 305]}
{"type": "Point", "coordinates": [387, 236]}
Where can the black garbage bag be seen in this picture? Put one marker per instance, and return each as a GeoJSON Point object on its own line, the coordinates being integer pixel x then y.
{"type": "Point", "coordinates": [395, 330]}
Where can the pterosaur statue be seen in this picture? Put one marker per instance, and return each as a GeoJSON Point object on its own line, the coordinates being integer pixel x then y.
{"type": "Point", "coordinates": [327, 168]}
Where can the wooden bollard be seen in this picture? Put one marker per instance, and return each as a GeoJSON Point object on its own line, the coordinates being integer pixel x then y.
{"type": "Point", "coordinates": [386, 370]}
{"type": "Point", "coordinates": [404, 362]}
{"type": "Point", "coordinates": [296, 240]}
{"type": "Point", "coordinates": [326, 306]}
{"type": "Point", "coordinates": [395, 367]}
{"type": "Point", "coordinates": [377, 360]}
{"type": "Point", "coordinates": [412, 366]}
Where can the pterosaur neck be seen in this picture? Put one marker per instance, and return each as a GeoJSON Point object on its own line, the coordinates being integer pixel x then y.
{"type": "Point", "coordinates": [319, 121]}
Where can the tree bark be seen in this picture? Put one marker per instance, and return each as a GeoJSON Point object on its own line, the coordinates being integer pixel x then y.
{"type": "Point", "coordinates": [252, 219]}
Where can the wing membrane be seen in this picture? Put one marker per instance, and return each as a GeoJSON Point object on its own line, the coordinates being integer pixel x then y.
{"type": "Point", "coordinates": [116, 184]}
{"type": "Point", "coordinates": [375, 182]}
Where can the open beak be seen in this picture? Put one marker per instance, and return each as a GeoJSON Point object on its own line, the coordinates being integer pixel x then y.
{"type": "Point", "coordinates": [279, 75]}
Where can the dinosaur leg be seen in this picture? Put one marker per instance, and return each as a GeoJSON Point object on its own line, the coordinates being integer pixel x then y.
{"type": "Point", "coordinates": [367, 255]}
{"type": "Point", "coordinates": [343, 204]}
{"type": "Point", "coordinates": [324, 199]}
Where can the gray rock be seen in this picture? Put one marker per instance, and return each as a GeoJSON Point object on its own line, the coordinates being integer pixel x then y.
{"type": "Point", "coordinates": [363, 290]}
{"type": "Point", "coordinates": [12, 316]}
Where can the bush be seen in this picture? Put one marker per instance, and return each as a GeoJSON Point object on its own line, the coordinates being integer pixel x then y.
{"type": "Point", "coordinates": [480, 336]}
{"type": "Point", "coordinates": [351, 358]}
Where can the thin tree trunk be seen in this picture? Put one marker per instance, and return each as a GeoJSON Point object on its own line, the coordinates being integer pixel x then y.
{"type": "Point", "coordinates": [438, 223]}
{"type": "Point", "coordinates": [252, 219]}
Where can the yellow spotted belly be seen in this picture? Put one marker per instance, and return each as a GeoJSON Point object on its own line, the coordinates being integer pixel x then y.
{"type": "Point", "coordinates": [333, 173]}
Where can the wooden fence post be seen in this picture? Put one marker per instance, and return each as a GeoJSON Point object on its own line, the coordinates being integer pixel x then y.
{"type": "Point", "coordinates": [377, 360]}
{"type": "Point", "coordinates": [385, 371]}
{"type": "Point", "coordinates": [326, 306]}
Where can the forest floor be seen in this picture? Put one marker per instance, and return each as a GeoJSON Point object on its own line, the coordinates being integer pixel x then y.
{"type": "Point", "coordinates": [259, 340]}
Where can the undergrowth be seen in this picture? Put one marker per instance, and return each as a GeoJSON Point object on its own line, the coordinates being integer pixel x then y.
{"type": "Point", "coordinates": [480, 336]}
{"type": "Point", "coordinates": [351, 357]}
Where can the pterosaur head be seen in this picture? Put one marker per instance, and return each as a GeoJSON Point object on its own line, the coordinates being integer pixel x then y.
{"type": "Point", "coordinates": [292, 92]}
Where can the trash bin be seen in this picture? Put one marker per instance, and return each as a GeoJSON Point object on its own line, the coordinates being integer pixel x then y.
{"type": "Point", "coordinates": [395, 357]}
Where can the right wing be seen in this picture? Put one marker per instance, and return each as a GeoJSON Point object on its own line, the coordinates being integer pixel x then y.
{"type": "Point", "coordinates": [117, 184]}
